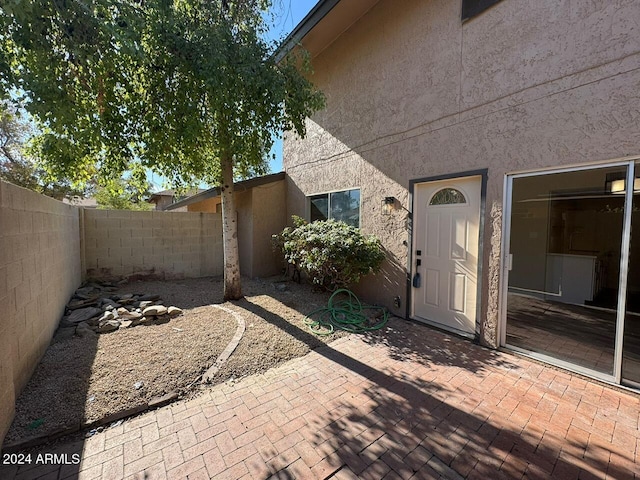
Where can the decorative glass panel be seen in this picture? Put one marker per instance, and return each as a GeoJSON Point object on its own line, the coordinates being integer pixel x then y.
{"type": "Point", "coordinates": [448, 196]}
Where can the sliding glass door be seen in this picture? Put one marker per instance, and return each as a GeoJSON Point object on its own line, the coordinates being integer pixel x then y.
{"type": "Point", "coordinates": [631, 336]}
{"type": "Point", "coordinates": [571, 298]}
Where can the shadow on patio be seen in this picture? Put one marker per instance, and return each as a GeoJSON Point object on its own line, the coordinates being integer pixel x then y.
{"type": "Point", "coordinates": [418, 400]}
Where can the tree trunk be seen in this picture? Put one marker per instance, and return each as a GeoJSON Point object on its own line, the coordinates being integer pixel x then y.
{"type": "Point", "coordinates": [232, 286]}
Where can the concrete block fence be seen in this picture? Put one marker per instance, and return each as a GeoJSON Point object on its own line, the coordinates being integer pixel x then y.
{"type": "Point", "coordinates": [47, 248]}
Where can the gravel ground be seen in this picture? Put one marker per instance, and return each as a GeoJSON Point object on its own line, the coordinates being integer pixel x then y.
{"type": "Point", "coordinates": [84, 379]}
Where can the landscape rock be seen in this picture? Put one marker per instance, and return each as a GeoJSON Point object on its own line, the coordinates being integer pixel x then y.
{"type": "Point", "coordinates": [82, 314]}
{"type": "Point", "coordinates": [145, 303]}
{"type": "Point", "coordinates": [76, 303]}
{"type": "Point", "coordinates": [154, 311]}
{"type": "Point", "coordinates": [93, 322]}
{"type": "Point", "coordinates": [129, 315]}
{"type": "Point", "coordinates": [108, 326]}
{"type": "Point", "coordinates": [126, 324]}
{"type": "Point", "coordinates": [83, 330]}
{"type": "Point", "coordinates": [108, 315]}
{"type": "Point", "coordinates": [174, 311]}
{"type": "Point", "coordinates": [107, 302]}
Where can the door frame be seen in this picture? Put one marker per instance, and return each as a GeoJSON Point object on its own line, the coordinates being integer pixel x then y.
{"type": "Point", "coordinates": [483, 174]}
{"type": "Point", "coordinates": [505, 247]}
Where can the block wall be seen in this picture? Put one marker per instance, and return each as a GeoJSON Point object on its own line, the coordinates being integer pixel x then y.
{"type": "Point", "coordinates": [152, 244]}
{"type": "Point", "coordinates": [40, 267]}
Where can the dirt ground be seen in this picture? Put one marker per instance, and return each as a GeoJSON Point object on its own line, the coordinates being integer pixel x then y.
{"type": "Point", "coordinates": [84, 379]}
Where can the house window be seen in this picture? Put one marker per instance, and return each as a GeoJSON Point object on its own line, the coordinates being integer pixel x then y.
{"type": "Point", "coordinates": [471, 8]}
{"type": "Point", "coordinates": [343, 206]}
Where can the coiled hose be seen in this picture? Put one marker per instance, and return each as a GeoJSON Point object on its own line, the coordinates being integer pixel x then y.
{"type": "Point", "coordinates": [347, 314]}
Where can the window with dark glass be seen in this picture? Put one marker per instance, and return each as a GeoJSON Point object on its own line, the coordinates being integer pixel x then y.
{"type": "Point", "coordinates": [471, 8]}
{"type": "Point", "coordinates": [343, 206]}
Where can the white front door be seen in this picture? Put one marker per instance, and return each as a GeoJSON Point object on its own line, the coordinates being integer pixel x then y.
{"type": "Point", "coordinates": [445, 252]}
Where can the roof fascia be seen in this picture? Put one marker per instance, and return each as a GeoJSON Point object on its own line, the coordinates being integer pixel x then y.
{"type": "Point", "coordinates": [317, 13]}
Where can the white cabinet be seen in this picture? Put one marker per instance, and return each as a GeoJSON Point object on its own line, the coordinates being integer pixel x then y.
{"type": "Point", "coordinates": [570, 278]}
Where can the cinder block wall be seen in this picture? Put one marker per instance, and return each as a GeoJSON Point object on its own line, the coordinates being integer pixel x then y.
{"type": "Point", "coordinates": [40, 268]}
{"type": "Point", "coordinates": [152, 244]}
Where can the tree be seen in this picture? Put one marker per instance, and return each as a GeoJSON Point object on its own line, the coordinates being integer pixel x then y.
{"type": "Point", "coordinates": [188, 88]}
{"type": "Point", "coordinates": [18, 167]}
{"type": "Point", "coordinates": [119, 194]}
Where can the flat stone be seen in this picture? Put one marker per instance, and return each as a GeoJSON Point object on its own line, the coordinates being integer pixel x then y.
{"type": "Point", "coordinates": [108, 326]}
{"type": "Point", "coordinates": [83, 329]}
{"type": "Point", "coordinates": [93, 322]}
{"type": "Point", "coordinates": [86, 290]}
{"type": "Point", "coordinates": [138, 321]}
{"type": "Point", "coordinates": [145, 303]}
{"type": "Point", "coordinates": [130, 316]}
{"type": "Point", "coordinates": [108, 315]}
{"type": "Point", "coordinates": [82, 315]}
{"type": "Point", "coordinates": [154, 310]}
{"type": "Point", "coordinates": [157, 402]}
{"type": "Point", "coordinates": [77, 303]}
{"type": "Point", "coordinates": [126, 324]}
{"type": "Point", "coordinates": [107, 302]}
{"type": "Point", "coordinates": [174, 311]}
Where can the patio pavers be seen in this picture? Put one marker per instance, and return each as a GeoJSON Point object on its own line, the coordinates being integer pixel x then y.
{"type": "Point", "coordinates": [410, 403]}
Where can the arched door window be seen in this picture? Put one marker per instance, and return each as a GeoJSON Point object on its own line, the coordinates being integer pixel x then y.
{"type": "Point", "coordinates": [447, 196]}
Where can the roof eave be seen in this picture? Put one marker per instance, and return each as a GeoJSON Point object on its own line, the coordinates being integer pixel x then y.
{"type": "Point", "coordinates": [317, 13]}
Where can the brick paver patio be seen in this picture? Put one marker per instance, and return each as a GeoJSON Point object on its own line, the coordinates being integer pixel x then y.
{"type": "Point", "coordinates": [414, 403]}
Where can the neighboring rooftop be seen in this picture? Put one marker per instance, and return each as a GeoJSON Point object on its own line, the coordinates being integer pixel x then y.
{"type": "Point", "coordinates": [238, 187]}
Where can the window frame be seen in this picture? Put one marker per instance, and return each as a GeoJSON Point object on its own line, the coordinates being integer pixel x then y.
{"type": "Point", "coordinates": [328, 194]}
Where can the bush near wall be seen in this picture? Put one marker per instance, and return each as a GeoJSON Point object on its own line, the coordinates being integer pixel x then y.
{"type": "Point", "coordinates": [333, 254]}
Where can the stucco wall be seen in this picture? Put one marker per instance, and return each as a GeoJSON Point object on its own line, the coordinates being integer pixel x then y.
{"type": "Point", "coordinates": [269, 217]}
{"type": "Point", "coordinates": [261, 213]}
{"type": "Point", "coordinates": [39, 270]}
{"type": "Point", "coordinates": [152, 244]}
{"type": "Point", "coordinates": [413, 93]}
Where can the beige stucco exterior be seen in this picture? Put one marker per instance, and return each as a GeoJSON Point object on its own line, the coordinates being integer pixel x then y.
{"type": "Point", "coordinates": [261, 213]}
{"type": "Point", "coordinates": [413, 93]}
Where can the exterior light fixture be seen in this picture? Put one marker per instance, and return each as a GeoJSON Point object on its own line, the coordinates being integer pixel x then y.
{"type": "Point", "coordinates": [388, 205]}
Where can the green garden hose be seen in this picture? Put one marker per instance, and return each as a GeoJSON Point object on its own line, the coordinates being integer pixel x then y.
{"type": "Point", "coordinates": [347, 314]}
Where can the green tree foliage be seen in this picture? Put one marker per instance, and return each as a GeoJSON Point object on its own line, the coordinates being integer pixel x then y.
{"type": "Point", "coordinates": [188, 88]}
{"type": "Point", "coordinates": [20, 168]}
{"type": "Point", "coordinates": [122, 195]}
{"type": "Point", "coordinates": [333, 254]}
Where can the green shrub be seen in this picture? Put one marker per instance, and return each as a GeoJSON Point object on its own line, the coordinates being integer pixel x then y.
{"type": "Point", "coordinates": [333, 254]}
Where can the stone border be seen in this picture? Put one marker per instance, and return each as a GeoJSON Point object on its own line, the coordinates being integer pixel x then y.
{"type": "Point", "coordinates": [231, 346]}
{"type": "Point", "coordinates": [153, 404]}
